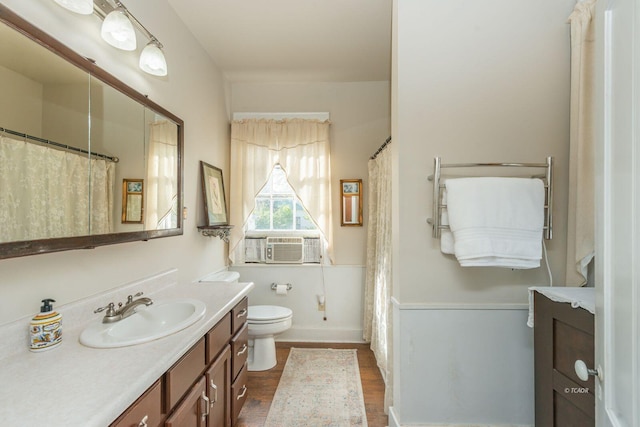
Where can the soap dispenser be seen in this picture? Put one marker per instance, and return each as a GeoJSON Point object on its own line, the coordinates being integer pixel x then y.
{"type": "Point", "coordinates": [46, 328]}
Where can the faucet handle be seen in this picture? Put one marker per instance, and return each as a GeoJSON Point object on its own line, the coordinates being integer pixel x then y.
{"type": "Point", "coordinates": [110, 309]}
{"type": "Point", "coordinates": [130, 297]}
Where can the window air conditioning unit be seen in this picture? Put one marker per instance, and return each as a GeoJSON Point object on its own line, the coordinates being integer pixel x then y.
{"type": "Point", "coordinates": [285, 250]}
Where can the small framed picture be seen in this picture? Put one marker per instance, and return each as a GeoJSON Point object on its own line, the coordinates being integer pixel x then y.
{"type": "Point", "coordinates": [351, 202]}
{"type": "Point", "coordinates": [215, 204]}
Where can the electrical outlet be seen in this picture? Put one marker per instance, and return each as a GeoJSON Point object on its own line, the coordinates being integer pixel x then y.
{"type": "Point", "coordinates": [320, 306]}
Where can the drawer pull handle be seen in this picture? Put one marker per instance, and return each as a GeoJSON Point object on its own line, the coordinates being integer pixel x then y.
{"type": "Point", "coordinates": [143, 421]}
{"type": "Point", "coordinates": [242, 350]}
{"type": "Point", "coordinates": [583, 372]}
{"type": "Point", "coordinates": [242, 313]}
{"type": "Point", "coordinates": [244, 391]}
{"type": "Point", "coordinates": [205, 413]}
{"type": "Point", "coordinates": [215, 393]}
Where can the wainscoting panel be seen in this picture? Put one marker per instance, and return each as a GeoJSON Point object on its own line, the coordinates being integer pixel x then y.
{"type": "Point", "coordinates": [342, 286]}
{"type": "Point", "coordinates": [463, 365]}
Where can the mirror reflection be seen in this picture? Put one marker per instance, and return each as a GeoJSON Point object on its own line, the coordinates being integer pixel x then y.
{"type": "Point", "coordinates": [67, 139]}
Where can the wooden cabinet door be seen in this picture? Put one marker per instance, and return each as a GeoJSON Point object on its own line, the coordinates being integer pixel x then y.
{"type": "Point", "coordinates": [218, 385]}
{"type": "Point", "coordinates": [193, 410]}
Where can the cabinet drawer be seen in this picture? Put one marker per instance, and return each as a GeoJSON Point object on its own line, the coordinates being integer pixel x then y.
{"type": "Point", "coordinates": [238, 394]}
{"type": "Point", "coordinates": [239, 350]}
{"type": "Point", "coordinates": [239, 315]}
{"type": "Point", "coordinates": [147, 408]}
{"type": "Point", "coordinates": [180, 377]}
{"type": "Point", "coordinates": [218, 337]}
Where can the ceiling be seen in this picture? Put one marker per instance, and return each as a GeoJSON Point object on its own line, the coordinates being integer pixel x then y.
{"type": "Point", "coordinates": [293, 40]}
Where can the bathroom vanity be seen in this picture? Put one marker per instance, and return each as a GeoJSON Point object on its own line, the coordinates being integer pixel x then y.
{"type": "Point", "coordinates": [563, 334]}
{"type": "Point", "coordinates": [194, 377]}
{"type": "Point", "coordinates": [206, 387]}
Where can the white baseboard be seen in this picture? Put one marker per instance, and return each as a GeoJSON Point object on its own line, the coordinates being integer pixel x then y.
{"type": "Point", "coordinates": [393, 419]}
{"type": "Point", "coordinates": [301, 334]}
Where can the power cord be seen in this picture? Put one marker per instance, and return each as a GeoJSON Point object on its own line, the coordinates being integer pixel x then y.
{"type": "Point", "coordinates": [546, 258]}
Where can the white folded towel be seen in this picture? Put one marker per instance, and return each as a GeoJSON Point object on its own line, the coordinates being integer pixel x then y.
{"type": "Point", "coordinates": [496, 221]}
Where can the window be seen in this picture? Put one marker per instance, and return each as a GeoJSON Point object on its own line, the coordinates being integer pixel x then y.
{"type": "Point", "coordinates": [278, 209]}
{"type": "Point", "coordinates": [278, 212]}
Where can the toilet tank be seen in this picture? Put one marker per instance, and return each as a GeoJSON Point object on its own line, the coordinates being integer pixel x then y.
{"type": "Point", "coordinates": [224, 276]}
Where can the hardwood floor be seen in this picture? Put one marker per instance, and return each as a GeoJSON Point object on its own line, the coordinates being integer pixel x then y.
{"type": "Point", "coordinates": [262, 385]}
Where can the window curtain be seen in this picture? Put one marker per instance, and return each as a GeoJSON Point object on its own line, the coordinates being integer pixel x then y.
{"type": "Point", "coordinates": [377, 305]}
{"type": "Point", "coordinates": [161, 187]}
{"type": "Point", "coordinates": [301, 147]}
{"type": "Point", "coordinates": [581, 228]}
{"type": "Point", "coordinates": [46, 194]}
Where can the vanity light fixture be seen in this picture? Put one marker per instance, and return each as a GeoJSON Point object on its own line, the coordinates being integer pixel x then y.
{"type": "Point", "coordinates": [117, 29]}
{"type": "Point", "coordinates": [152, 59]}
{"type": "Point", "coordinates": [83, 7]}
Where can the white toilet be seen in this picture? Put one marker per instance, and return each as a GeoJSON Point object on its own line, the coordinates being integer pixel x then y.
{"type": "Point", "coordinates": [265, 322]}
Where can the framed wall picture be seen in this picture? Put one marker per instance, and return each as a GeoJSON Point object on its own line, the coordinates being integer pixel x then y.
{"type": "Point", "coordinates": [132, 201]}
{"type": "Point", "coordinates": [351, 202]}
{"type": "Point", "coordinates": [215, 203]}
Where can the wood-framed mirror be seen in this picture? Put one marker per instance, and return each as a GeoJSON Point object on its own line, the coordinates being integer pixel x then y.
{"type": "Point", "coordinates": [62, 107]}
{"type": "Point", "coordinates": [351, 202]}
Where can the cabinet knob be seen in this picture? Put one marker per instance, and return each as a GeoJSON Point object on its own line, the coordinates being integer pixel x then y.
{"type": "Point", "coordinates": [242, 313]}
{"type": "Point", "coordinates": [583, 372]}
{"type": "Point", "coordinates": [143, 421]}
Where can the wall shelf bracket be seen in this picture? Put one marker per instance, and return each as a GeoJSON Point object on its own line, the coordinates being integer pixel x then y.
{"type": "Point", "coordinates": [221, 231]}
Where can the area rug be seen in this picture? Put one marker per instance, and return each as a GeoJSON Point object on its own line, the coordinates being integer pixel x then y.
{"type": "Point", "coordinates": [319, 388]}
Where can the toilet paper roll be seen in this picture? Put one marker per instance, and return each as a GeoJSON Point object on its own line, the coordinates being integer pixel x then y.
{"type": "Point", "coordinates": [281, 289]}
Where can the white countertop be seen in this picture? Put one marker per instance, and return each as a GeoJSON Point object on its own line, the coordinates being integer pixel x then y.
{"type": "Point", "coordinates": [74, 385]}
{"type": "Point", "coordinates": [578, 297]}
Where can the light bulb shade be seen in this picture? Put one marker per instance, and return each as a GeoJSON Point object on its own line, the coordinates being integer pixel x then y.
{"type": "Point", "coordinates": [152, 60]}
{"type": "Point", "coordinates": [83, 7]}
{"type": "Point", "coordinates": [118, 31]}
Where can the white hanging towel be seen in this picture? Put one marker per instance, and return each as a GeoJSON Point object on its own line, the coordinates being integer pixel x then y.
{"type": "Point", "coordinates": [447, 244]}
{"type": "Point", "coordinates": [496, 222]}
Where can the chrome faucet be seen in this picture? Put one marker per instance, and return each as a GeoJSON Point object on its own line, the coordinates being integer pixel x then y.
{"type": "Point", "coordinates": [112, 315]}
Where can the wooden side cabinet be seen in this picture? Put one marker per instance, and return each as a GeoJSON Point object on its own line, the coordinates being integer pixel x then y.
{"type": "Point", "coordinates": [562, 335]}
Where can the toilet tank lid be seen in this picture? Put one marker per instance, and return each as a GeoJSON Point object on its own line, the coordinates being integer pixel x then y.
{"type": "Point", "coordinates": [222, 276]}
{"type": "Point", "coordinates": [268, 312]}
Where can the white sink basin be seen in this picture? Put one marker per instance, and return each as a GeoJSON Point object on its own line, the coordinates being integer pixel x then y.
{"type": "Point", "coordinates": [148, 323]}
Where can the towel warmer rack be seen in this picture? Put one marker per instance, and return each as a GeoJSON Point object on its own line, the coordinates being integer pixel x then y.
{"type": "Point", "coordinates": [438, 206]}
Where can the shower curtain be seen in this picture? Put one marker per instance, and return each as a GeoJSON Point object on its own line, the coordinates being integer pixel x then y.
{"type": "Point", "coordinates": [46, 194]}
{"type": "Point", "coordinates": [377, 305]}
{"type": "Point", "coordinates": [580, 224]}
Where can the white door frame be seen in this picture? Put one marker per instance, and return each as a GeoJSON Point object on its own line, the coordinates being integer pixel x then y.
{"type": "Point", "coordinates": [617, 277]}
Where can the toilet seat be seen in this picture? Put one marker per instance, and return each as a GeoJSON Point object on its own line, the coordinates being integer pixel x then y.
{"type": "Point", "coordinates": [268, 314]}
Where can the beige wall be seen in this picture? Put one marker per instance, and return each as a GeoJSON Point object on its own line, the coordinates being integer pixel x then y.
{"type": "Point", "coordinates": [196, 92]}
{"type": "Point", "coordinates": [360, 122]}
{"type": "Point", "coordinates": [475, 82]}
